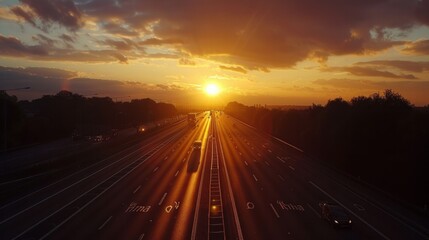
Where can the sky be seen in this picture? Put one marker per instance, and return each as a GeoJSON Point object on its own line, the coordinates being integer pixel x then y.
{"type": "Point", "coordinates": [275, 52]}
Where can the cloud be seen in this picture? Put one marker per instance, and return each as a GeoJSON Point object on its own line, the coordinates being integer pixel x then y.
{"type": "Point", "coordinates": [157, 41]}
{"type": "Point", "coordinates": [67, 38]}
{"type": "Point", "coordinates": [43, 13]}
{"type": "Point", "coordinates": [123, 44]}
{"type": "Point", "coordinates": [186, 61]}
{"type": "Point", "coordinates": [409, 66]}
{"type": "Point", "coordinates": [13, 47]}
{"type": "Point", "coordinates": [44, 40]}
{"type": "Point", "coordinates": [119, 29]}
{"type": "Point", "coordinates": [10, 46]}
{"type": "Point", "coordinates": [43, 81]}
{"type": "Point", "coordinates": [369, 72]}
{"type": "Point", "coordinates": [420, 47]}
{"type": "Point", "coordinates": [235, 69]}
{"type": "Point", "coordinates": [253, 34]}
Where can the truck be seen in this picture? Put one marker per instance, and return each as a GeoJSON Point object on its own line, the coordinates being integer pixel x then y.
{"type": "Point", "coordinates": [192, 119]}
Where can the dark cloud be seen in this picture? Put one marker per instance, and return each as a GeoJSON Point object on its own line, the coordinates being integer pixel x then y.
{"type": "Point", "coordinates": [253, 34]}
{"type": "Point", "coordinates": [422, 11]}
{"type": "Point", "coordinates": [157, 41]}
{"type": "Point", "coordinates": [27, 16]}
{"type": "Point", "coordinates": [235, 69]}
{"type": "Point", "coordinates": [409, 66]}
{"type": "Point", "coordinates": [67, 38]}
{"type": "Point", "coordinates": [123, 44]}
{"type": "Point", "coordinates": [10, 46]}
{"type": "Point", "coordinates": [47, 12]}
{"type": "Point", "coordinates": [121, 58]}
{"type": "Point", "coordinates": [186, 61]}
{"type": "Point", "coordinates": [119, 29]}
{"type": "Point", "coordinates": [265, 34]}
{"type": "Point", "coordinates": [49, 72]}
{"type": "Point", "coordinates": [44, 40]}
{"type": "Point", "coordinates": [370, 72]}
{"type": "Point", "coordinates": [420, 47]}
{"type": "Point", "coordinates": [43, 81]}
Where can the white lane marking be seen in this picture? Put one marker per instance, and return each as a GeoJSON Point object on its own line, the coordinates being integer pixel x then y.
{"type": "Point", "coordinates": [198, 202]}
{"type": "Point", "coordinates": [269, 150]}
{"type": "Point", "coordinates": [354, 214]}
{"type": "Point", "coordinates": [255, 177]}
{"type": "Point", "coordinates": [259, 155]}
{"type": "Point", "coordinates": [162, 199]}
{"type": "Point", "coordinates": [92, 200]}
{"type": "Point", "coordinates": [279, 158]}
{"type": "Point", "coordinates": [155, 169]}
{"type": "Point", "coordinates": [246, 163]}
{"type": "Point", "coordinates": [268, 164]}
{"type": "Point", "coordinates": [281, 178]}
{"type": "Point", "coordinates": [62, 190]}
{"type": "Point", "coordinates": [292, 168]}
{"type": "Point", "coordinates": [141, 236]}
{"type": "Point", "coordinates": [314, 210]}
{"type": "Point", "coordinates": [275, 211]}
{"type": "Point", "coordinates": [231, 197]}
{"type": "Point", "coordinates": [383, 210]}
{"type": "Point", "coordinates": [137, 189]}
{"type": "Point", "coordinates": [165, 157]}
{"type": "Point", "coordinates": [105, 222]}
{"type": "Point", "coordinates": [176, 173]}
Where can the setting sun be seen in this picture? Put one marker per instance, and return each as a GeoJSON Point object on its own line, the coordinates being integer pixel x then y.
{"type": "Point", "coordinates": [212, 89]}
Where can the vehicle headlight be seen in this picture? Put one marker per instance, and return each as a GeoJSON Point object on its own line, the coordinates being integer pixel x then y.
{"type": "Point", "coordinates": [350, 221]}
{"type": "Point", "coordinates": [335, 221]}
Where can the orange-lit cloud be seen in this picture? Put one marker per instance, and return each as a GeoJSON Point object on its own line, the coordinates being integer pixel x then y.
{"type": "Point", "coordinates": [256, 35]}
{"type": "Point", "coordinates": [235, 69]}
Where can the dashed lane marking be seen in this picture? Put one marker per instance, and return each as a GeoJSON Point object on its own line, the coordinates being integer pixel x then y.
{"type": "Point", "coordinates": [162, 199]}
{"type": "Point", "coordinates": [275, 211]}
{"type": "Point", "coordinates": [104, 224]}
{"type": "Point", "coordinates": [137, 189]}
{"type": "Point", "coordinates": [256, 179]}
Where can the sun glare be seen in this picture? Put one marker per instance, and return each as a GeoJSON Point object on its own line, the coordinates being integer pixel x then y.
{"type": "Point", "coordinates": [212, 89]}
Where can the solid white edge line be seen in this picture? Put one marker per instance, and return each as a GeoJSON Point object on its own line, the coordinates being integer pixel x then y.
{"type": "Point", "coordinates": [354, 214]}
{"type": "Point", "coordinates": [314, 210]}
{"type": "Point", "coordinates": [93, 199]}
{"type": "Point", "coordinates": [275, 211]}
{"type": "Point", "coordinates": [162, 199]}
{"type": "Point", "coordinates": [231, 195]}
{"type": "Point", "coordinates": [198, 202]}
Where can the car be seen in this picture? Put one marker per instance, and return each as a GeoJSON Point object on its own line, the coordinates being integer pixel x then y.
{"type": "Point", "coordinates": [335, 214]}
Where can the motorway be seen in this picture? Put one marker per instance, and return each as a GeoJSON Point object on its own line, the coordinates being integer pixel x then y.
{"type": "Point", "coordinates": [248, 185]}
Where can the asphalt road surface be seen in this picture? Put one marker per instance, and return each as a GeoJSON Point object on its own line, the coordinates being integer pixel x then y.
{"type": "Point", "coordinates": [246, 185]}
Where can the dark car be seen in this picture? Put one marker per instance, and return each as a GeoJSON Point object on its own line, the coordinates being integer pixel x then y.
{"type": "Point", "coordinates": [335, 214]}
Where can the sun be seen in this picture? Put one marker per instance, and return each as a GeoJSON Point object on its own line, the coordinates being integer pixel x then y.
{"type": "Point", "coordinates": [212, 89]}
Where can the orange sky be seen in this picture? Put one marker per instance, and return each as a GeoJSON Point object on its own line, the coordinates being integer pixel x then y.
{"type": "Point", "coordinates": [268, 52]}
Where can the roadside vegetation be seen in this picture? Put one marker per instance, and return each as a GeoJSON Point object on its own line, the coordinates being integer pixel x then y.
{"type": "Point", "coordinates": [381, 139]}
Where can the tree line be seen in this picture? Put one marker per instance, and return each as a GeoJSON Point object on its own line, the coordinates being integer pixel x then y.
{"type": "Point", "coordinates": [56, 116]}
{"type": "Point", "coordinates": [381, 139]}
